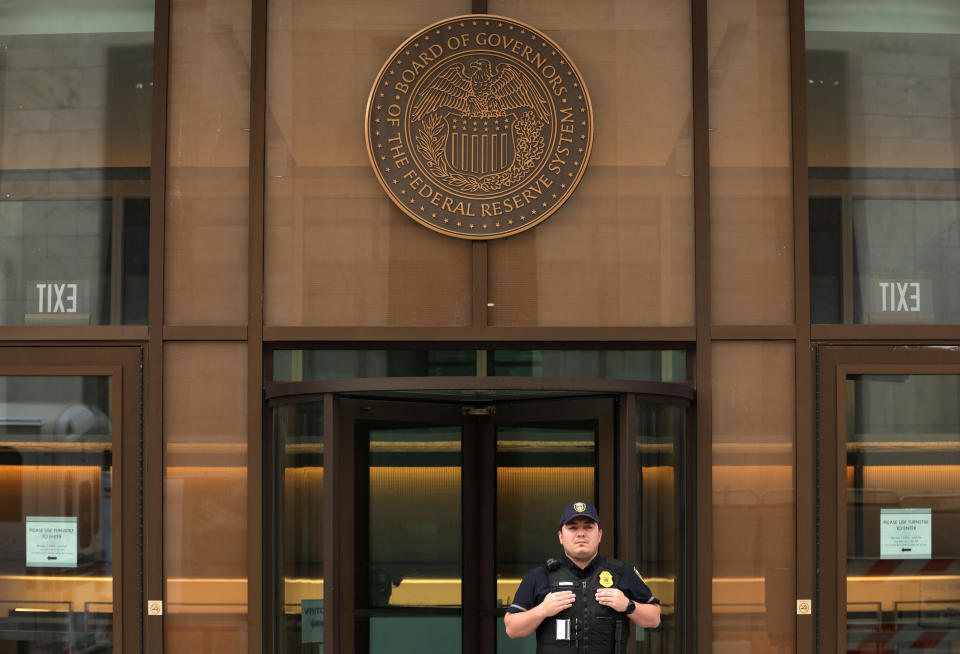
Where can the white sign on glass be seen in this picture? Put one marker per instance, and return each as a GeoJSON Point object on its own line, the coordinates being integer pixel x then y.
{"type": "Point", "coordinates": [51, 542]}
{"type": "Point", "coordinates": [311, 614]}
{"type": "Point", "coordinates": [906, 534]}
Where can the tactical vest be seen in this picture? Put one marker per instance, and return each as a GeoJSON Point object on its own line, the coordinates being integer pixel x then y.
{"type": "Point", "coordinates": [593, 628]}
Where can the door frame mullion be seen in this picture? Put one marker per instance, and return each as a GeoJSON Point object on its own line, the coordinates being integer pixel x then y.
{"type": "Point", "coordinates": [606, 472]}
{"type": "Point", "coordinates": [343, 587]}
{"type": "Point", "coordinates": [331, 508]}
{"type": "Point", "coordinates": [626, 476]}
{"type": "Point", "coordinates": [478, 512]}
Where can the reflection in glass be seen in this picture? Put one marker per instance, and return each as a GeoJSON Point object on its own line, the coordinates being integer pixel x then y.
{"type": "Point", "coordinates": [408, 536]}
{"type": "Point", "coordinates": [298, 438]}
{"type": "Point", "coordinates": [753, 497]}
{"type": "Point", "coordinates": [413, 518]}
{"type": "Point", "coordinates": [751, 178]}
{"type": "Point", "coordinates": [659, 437]}
{"type": "Point", "coordinates": [638, 365]}
{"type": "Point", "coordinates": [75, 125]}
{"type": "Point", "coordinates": [538, 466]}
{"type": "Point", "coordinates": [205, 500]}
{"type": "Point", "coordinates": [206, 203]}
{"type": "Point", "coordinates": [56, 542]}
{"type": "Point", "coordinates": [882, 146]}
{"type": "Point", "coordinates": [621, 250]}
{"type": "Point", "coordinates": [903, 554]}
{"type": "Point", "coordinates": [337, 251]}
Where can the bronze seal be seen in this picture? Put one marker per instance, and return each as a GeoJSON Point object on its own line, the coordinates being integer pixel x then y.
{"type": "Point", "coordinates": [479, 126]}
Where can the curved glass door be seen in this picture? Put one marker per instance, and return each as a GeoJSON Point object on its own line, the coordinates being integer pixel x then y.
{"type": "Point", "coordinates": [663, 513]}
{"type": "Point", "coordinates": [546, 457]}
{"type": "Point", "coordinates": [298, 449]}
{"type": "Point", "coordinates": [454, 502]}
{"type": "Point", "coordinates": [408, 529]}
{"type": "Point", "coordinates": [403, 521]}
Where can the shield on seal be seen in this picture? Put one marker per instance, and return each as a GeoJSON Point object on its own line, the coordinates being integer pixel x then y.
{"type": "Point", "coordinates": [480, 146]}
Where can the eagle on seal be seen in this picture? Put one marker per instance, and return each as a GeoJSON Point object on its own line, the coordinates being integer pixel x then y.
{"type": "Point", "coordinates": [482, 94]}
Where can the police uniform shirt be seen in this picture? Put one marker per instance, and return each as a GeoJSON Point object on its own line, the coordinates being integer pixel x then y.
{"type": "Point", "coordinates": [535, 585]}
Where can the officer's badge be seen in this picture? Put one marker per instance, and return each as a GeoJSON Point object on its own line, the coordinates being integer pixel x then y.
{"type": "Point", "coordinates": [580, 507]}
{"type": "Point", "coordinates": [606, 579]}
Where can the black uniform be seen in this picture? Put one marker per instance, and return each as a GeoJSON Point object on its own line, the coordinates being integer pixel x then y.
{"type": "Point", "coordinates": [593, 628]}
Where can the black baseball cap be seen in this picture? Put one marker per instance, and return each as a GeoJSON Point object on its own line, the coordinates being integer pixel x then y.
{"type": "Point", "coordinates": [579, 510]}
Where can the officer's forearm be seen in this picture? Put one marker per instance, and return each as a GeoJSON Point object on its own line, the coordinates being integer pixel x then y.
{"type": "Point", "coordinates": [646, 615]}
{"type": "Point", "coordinates": [523, 623]}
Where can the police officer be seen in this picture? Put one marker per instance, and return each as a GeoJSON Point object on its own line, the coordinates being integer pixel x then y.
{"type": "Point", "coordinates": [582, 603]}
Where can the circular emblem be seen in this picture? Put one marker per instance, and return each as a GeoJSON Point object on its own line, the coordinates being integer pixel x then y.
{"type": "Point", "coordinates": [606, 579]}
{"type": "Point", "coordinates": [479, 127]}
{"type": "Point", "coordinates": [579, 507]}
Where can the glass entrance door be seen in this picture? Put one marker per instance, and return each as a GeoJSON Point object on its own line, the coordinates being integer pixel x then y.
{"type": "Point", "coordinates": [453, 495]}
{"type": "Point", "coordinates": [403, 521]}
{"type": "Point", "coordinates": [69, 456]}
{"type": "Point", "coordinates": [408, 565]}
{"type": "Point", "coordinates": [548, 453]}
{"type": "Point", "coordinates": [895, 516]}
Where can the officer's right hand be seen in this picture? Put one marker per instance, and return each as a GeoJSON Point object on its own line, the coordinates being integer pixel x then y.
{"type": "Point", "coordinates": [553, 603]}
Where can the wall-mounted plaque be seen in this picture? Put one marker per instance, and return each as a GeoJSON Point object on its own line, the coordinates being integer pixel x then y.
{"type": "Point", "coordinates": [479, 126]}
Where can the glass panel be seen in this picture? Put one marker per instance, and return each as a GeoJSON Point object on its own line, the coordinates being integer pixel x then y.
{"type": "Point", "coordinates": [309, 365]}
{"type": "Point", "coordinates": [298, 434]}
{"type": "Point", "coordinates": [208, 134]}
{"type": "Point", "coordinates": [414, 557]}
{"type": "Point", "coordinates": [415, 635]}
{"type": "Point", "coordinates": [903, 490]}
{"type": "Point", "coordinates": [507, 645]}
{"type": "Point", "coordinates": [56, 533]}
{"type": "Point", "coordinates": [638, 365]}
{"type": "Point", "coordinates": [754, 505]}
{"type": "Point", "coordinates": [337, 250]}
{"type": "Point", "coordinates": [882, 147]}
{"type": "Point", "coordinates": [620, 251]}
{"type": "Point", "coordinates": [751, 178]}
{"type": "Point", "coordinates": [540, 469]}
{"type": "Point", "coordinates": [205, 501]}
{"type": "Point", "coordinates": [75, 122]}
{"type": "Point", "coordinates": [659, 433]}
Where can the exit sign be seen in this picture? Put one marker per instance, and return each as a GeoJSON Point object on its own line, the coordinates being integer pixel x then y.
{"type": "Point", "coordinates": [899, 300]}
{"type": "Point", "coordinates": [58, 302]}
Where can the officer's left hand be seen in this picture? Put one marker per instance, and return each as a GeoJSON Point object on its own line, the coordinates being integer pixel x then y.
{"type": "Point", "coordinates": [614, 598]}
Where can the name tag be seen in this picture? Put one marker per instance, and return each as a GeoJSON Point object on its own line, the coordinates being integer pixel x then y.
{"type": "Point", "coordinates": [563, 630]}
